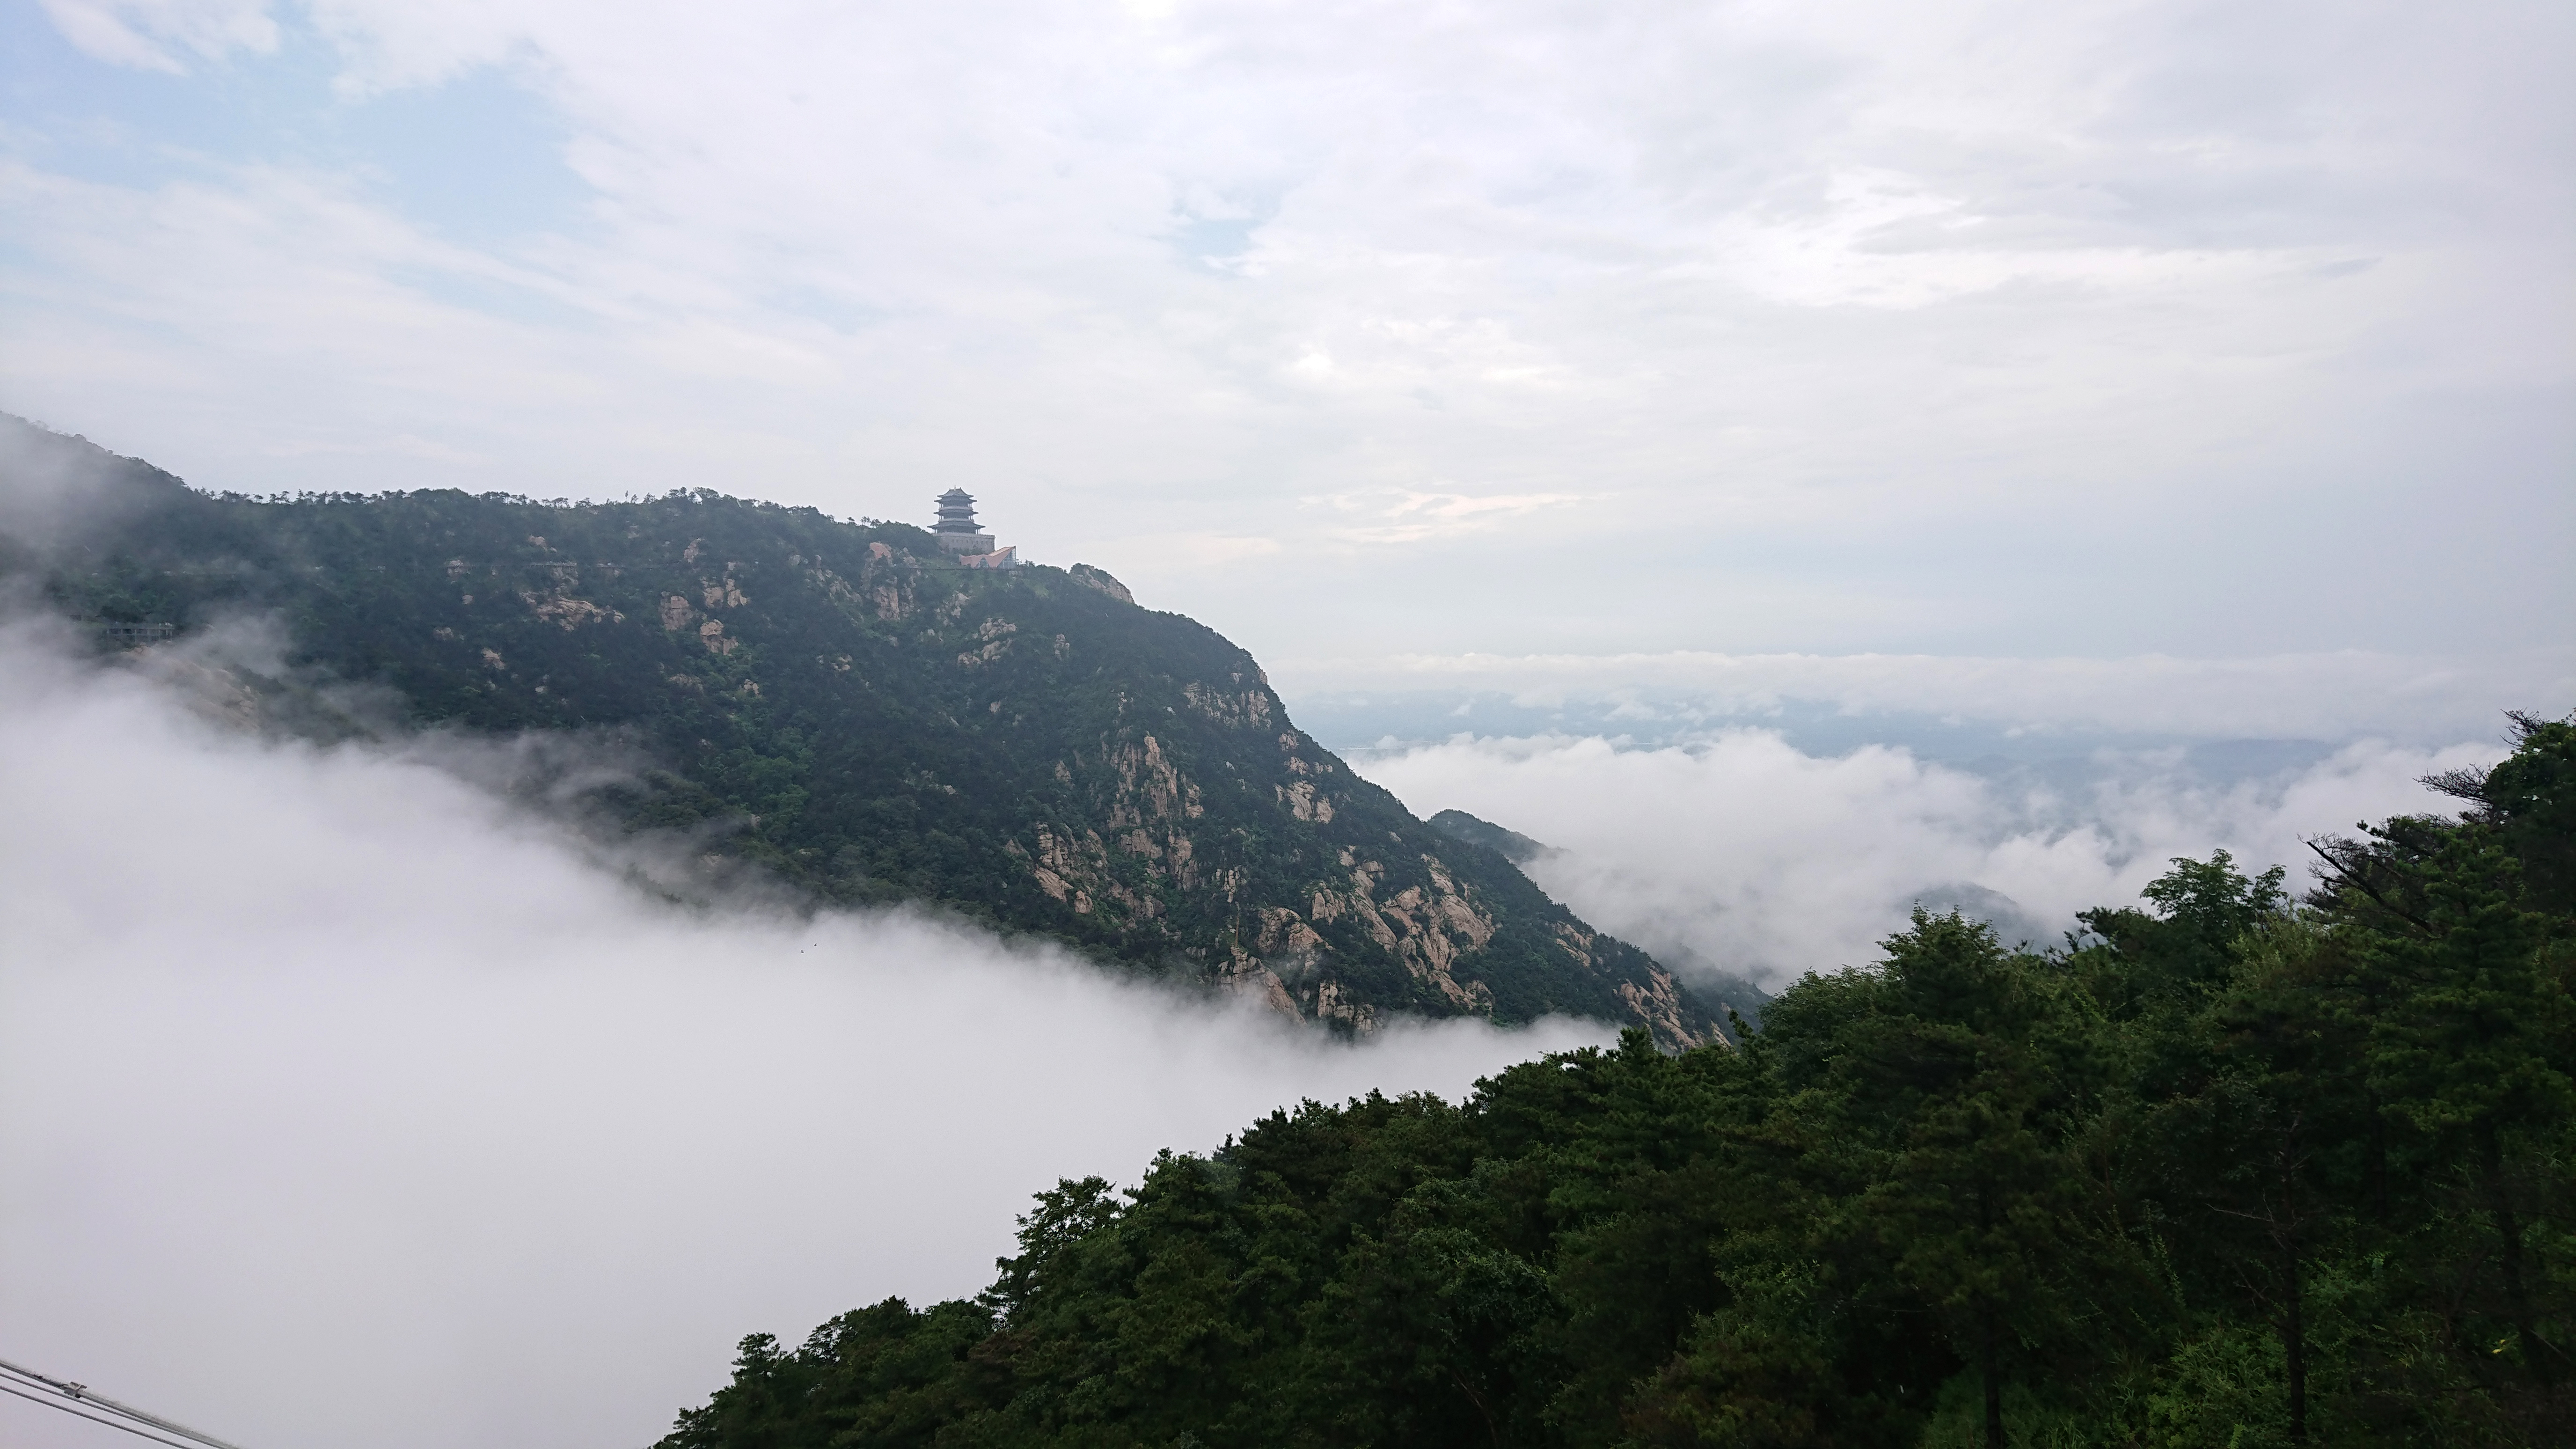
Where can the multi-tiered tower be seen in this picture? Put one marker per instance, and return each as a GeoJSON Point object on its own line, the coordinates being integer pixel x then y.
{"type": "Point", "coordinates": [956, 528]}
{"type": "Point", "coordinates": [957, 534]}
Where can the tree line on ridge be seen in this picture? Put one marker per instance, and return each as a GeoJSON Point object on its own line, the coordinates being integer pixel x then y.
{"type": "Point", "coordinates": [2227, 1169]}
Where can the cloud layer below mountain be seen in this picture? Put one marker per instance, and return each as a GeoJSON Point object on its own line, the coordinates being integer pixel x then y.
{"type": "Point", "coordinates": [346, 1104]}
{"type": "Point", "coordinates": [1756, 858]}
{"type": "Point", "coordinates": [330, 1067]}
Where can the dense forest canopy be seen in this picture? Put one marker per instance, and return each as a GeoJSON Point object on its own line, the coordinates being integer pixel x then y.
{"type": "Point", "coordinates": [2228, 1169]}
{"type": "Point", "coordinates": [844, 708]}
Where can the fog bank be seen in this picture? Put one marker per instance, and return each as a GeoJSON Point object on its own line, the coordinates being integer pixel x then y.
{"type": "Point", "coordinates": [1762, 860]}
{"type": "Point", "coordinates": [344, 1103]}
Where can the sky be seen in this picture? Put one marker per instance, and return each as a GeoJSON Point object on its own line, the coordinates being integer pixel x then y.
{"type": "Point", "coordinates": [2129, 338]}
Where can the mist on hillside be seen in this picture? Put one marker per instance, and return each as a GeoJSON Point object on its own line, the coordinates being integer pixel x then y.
{"type": "Point", "coordinates": [337, 1049]}
{"type": "Point", "coordinates": [360, 1058]}
{"type": "Point", "coordinates": [333, 1067]}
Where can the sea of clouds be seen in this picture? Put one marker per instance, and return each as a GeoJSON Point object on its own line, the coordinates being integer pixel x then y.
{"type": "Point", "coordinates": [351, 1094]}
{"type": "Point", "coordinates": [345, 1101]}
{"type": "Point", "coordinates": [1756, 858]}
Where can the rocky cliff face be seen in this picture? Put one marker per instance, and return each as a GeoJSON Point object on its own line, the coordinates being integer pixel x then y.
{"type": "Point", "coordinates": [840, 703]}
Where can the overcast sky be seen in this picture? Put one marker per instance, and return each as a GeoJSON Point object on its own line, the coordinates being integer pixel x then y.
{"type": "Point", "coordinates": [2037, 331]}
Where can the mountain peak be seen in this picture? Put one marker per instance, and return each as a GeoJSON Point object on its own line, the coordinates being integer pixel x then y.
{"type": "Point", "coordinates": [846, 706]}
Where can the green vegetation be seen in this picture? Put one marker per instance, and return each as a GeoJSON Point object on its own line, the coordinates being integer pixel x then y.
{"type": "Point", "coordinates": [2226, 1171]}
{"type": "Point", "coordinates": [843, 706]}
{"type": "Point", "coordinates": [1519, 849]}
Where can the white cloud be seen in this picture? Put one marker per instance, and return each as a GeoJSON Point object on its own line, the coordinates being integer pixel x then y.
{"type": "Point", "coordinates": [143, 33]}
{"type": "Point", "coordinates": [346, 1105]}
{"type": "Point", "coordinates": [1768, 862]}
{"type": "Point", "coordinates": [1402, 517]}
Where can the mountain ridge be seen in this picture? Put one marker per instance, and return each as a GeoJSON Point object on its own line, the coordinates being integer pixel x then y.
{"type": "Point", "coordinates": [840, 704]}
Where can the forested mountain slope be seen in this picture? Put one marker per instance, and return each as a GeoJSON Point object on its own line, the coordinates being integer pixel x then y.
{"type": "Point", "coordinates": [2234, 1173]}
{"type": "Point", "coordinates": [844, 705]}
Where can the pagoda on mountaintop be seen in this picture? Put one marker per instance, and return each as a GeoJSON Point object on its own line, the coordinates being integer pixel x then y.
{"type": "Point", "coordinates": [957, 534]}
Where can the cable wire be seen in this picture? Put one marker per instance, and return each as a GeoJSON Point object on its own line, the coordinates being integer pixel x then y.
{"type": "Point", "coordinates": [64, 1389]}
{"type": "Point", "coordinates": [93, 1418]}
